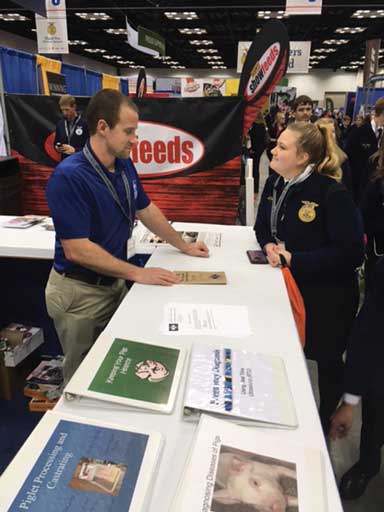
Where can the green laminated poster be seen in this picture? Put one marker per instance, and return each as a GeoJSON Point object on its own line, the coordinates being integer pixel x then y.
{"type": "Point", "coordinates": [137, 371]}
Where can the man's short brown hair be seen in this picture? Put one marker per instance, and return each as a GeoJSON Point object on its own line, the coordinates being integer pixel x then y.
{"type": "Point", "coordinates": [67, 101]}
{"type": "Point", "coordinates": [379, 107]}
{"type": "Point", "coordinates": [106, 105]}
{"type": "Point", "coordinates": [302, 100]}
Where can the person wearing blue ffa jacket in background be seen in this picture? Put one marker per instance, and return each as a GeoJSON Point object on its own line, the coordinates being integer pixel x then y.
{"type": "Point", "coordinates": [94, 197]}
{"type": "Point", "coordinates": [310, 218]}
{"type": "Point", "coordinates": [364, 378]}
{"type": "Point", "coordinates": [72, 130]}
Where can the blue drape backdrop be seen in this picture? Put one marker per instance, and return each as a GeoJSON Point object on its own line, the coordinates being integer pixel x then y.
{"type": "Point", "coordinates": [94, 82]}
{"type": "Point", "coordinates": [19, 71]}
{"type": "Point", "coordinates": [75, 79]}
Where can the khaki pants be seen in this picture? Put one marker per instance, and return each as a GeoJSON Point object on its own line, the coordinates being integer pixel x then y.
{"type": "Point", "coordinates": [80, 312]}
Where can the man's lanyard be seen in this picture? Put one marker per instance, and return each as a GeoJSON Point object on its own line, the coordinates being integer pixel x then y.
{"type": "Point", "coordinates": [97, 168]}
{"type": "Point", "coordinates": [69, 130]}
{"type": "Point", "coordinates": [277, 204]}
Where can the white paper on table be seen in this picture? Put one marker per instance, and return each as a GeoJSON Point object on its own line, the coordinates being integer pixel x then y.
{"type": "Point", "coordinates": [206, 319]}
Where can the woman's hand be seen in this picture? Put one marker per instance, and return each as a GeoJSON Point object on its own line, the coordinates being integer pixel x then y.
{"type": "Point", "coordinates": [287, 255]}
{"type": "Point", "coordinates": [272, 254]}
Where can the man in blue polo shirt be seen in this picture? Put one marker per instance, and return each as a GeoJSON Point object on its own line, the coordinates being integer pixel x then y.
{"type": "Point", "coordinates": [94, 197]}
{"type": "Point", "coordinates": [72, 130]}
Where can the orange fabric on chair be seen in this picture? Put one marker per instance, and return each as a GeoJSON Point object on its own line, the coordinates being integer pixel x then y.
{"type": "Point", "coordinates": [296, 300]}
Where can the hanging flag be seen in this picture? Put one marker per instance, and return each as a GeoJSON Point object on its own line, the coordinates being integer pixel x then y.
{"type": "Point", "coordinates": [305, 7]}
{"type": "Point", "coordinates": [371, 63]}
{"type": "Point", "coordinates": [141, 84]}
{"type": "Point", "coordinates": [145, 41]}
{"type": "Point", "coordinates": [264, 66]}
{"type": "Point", "coordinates": [52, 33]}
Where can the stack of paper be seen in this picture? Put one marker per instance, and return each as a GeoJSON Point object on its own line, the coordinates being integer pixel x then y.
{"type": "Point", "coordinates": [239, 384]}
{"type": "Point", "coordinates": [131, 373]}
{"type": "Point", "coordinates": [206, 319]}
{"type": "Point", "coordinates": [210, 239]}
{"type": "Point", "coordinates": [69, 463]}
{"type": "Point", "coordinates": [234, 469]}
{"type": "Point", "coordinates": [23, 222]}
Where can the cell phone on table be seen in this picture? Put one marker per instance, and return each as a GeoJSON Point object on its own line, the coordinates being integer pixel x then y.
{"type": "Point", "coordinates": [257, 257]}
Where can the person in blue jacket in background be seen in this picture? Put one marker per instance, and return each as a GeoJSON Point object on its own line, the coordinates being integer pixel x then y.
{"type": "Point", "coordinates": [364, 380]}
{"type": "Point", "coordinates": [72, 130]}
{"type": "Point", "coordinates": [307, 216]}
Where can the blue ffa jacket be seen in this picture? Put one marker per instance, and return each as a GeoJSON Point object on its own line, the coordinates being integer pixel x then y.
{"type": "Point", "coordinates": [360, 146]}
{"type": "Point", "coordinates": [365, 351]}
{"type": "Point", "coordinates": [320, 226]}
{"type": "Point", "coordinates": [372, 208]}
{"type": "Point", "coordinates": [75, 134]}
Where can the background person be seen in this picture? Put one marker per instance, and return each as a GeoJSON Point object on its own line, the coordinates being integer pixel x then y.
{"type": "Point", "coordinates": [364, 379]}
{"type": "Point", "coordinates": [94, 197]}
{"type": "Point", "coordinates": [362, 144]}
{"type": "Point", "coordinates": [302, 109]}
{"type": "Point", "coordinates": [311, 219]}
{"type": "Point", "coordinates": [72, 130]}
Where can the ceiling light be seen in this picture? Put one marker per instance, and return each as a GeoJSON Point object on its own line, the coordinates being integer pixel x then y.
{"type": "Point", "coordinates": [112, 57]}
{"type": "Point", "coordinates": [75, 42]}
{"type": "Point", "coordinates": [125, 62]}
{"type": "Point", "coordinates": [201, 42]}
{"type": "Point", "coordinates": [116, 31]}
{"type": "Point", "coordinates": [212, 57]}
{"type": "Point", "coordinates": [266, 15]}
{"type": "Point", "coordinates": [207, 50]}
{"type": "Point", "coordinates": [350, 30]}
{"type": "Point", "coordinates": [95, 50]}
{"type": "Point", "coordinates": [192, 31]}
{"type": "Point", "coordinates": [177, 67]}
{"type": "Point", "coordinates": [93, 16]}
{"type": "Point", "coordinates": [336, 41]}
{"type": "Point", "coordinates": [187, 15]}
{"type": "Point", "coordinates": [173, 62]}
{"type": "Point", "coordinates": [13, 16]}
{"type": "Point", "coordinates": [325, 50]}
{"type": "Point", "coordinates": [162, 57]}
{"type": "Point", "coordinates": [368, 14]}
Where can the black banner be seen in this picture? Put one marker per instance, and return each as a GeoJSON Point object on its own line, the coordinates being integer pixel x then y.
{"type": "Point", "coordinates": [189, 163]}
{"type": "Point", "coordinates": [264, 66]}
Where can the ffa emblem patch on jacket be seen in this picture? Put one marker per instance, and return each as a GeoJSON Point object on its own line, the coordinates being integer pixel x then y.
{"type": "Point", "coordinates": [307, 212]}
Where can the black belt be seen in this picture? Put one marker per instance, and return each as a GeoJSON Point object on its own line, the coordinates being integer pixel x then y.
{"type": "Point", "coordinates": [89, 279]}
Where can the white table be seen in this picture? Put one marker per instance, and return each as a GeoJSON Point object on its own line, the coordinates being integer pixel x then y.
{"type": "Point", "coordinates": [38, 243]}
{"type": "Point", "coordinates": [262, 290]}
{"type": "Point", "coordinates": [34, 242]}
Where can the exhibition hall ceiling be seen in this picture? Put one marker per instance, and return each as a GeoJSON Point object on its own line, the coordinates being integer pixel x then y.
{"type": "Point", "coordinates": [205, 34]}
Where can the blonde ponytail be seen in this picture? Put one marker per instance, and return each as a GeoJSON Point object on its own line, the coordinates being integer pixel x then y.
{"type": "Point", "coordinates": [330, 165]}
{"type": "Point", "coordinates": [318, 142]}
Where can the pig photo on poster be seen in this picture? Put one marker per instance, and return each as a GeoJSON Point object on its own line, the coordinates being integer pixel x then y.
{"type": "Point", "coordinates": [249, 482]}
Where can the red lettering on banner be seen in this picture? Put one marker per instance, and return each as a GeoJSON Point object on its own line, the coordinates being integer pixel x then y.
{"type": "Point", "coordinates": [187, 146]}
{"type": "Point", "coordinates": [174, 152]}
{"type": "Point", "coordinates": [173, 147]}
{"type": "Point", "coordinates": [145, 150]}
{"type": "Point", "coordinates": [159, 152]}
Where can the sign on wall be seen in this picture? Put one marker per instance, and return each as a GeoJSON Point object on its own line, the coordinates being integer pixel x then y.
{"type": "Point", "coordinates": [299, 52]}
{"type": "Point", "coordinates": [305, 7]}
{"type": "Point", "coordinates": [56, 84]}
{"type": "Point", "coordinates": [52, 33]}
{"type": "Point", "coordinates": [198, 87]}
